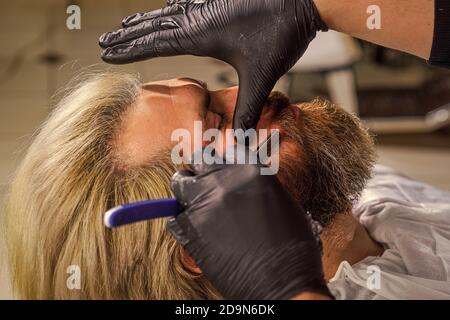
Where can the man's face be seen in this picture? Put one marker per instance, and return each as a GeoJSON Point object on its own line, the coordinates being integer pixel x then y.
{"type": "Point", "coordinates": [165, 106]}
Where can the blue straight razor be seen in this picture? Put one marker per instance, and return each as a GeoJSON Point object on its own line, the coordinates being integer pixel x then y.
{"type": "Point", "coordinates": [141, 211]}
{"type": "Point", "coordinates": [162, 208]}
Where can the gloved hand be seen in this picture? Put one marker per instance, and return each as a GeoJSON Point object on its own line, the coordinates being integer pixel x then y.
{"type": "Point", "coordinates": [245, 232]}
{"type": "Point", "coordinates": [261, 39]}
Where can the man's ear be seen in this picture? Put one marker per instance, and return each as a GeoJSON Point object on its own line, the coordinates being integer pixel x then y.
{"type": "Point", "coordinates": [189, 263]}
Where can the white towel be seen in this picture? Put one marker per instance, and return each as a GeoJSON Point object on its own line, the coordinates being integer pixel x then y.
{"type": "Point", "coordinates": [412, 220]}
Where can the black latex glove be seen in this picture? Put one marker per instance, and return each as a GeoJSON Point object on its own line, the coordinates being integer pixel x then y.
{"type": "Point", "coordinates": [261, 39]}
{"type": "Point", "coordinates": [245, 232]}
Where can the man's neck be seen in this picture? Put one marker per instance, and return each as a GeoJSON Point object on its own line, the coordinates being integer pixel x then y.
{"type": "Point", "coordinates": [346, 239]}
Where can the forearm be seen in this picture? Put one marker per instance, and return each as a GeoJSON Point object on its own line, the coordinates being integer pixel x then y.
{"type": "Point", "coordinates": [406, 25]}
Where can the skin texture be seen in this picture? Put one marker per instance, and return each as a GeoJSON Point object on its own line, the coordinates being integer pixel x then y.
{"type": "Point", "coordinates": [407, 25]}
{"type": "Point", "coordinates": [160, 102]}
{"type": "Point", "coordinates": [176, 103]}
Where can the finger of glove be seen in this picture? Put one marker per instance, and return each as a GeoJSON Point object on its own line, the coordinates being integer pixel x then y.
{"type": "Point", "coordinates": [158, 44]}
{"type": "Point", "coordinates": [181, 229]}
{"type": "Point", "coordinates": [185, 2]}
{"type": "Point", "coordinates": [254, 89]}
{"type": "Point", "coordinates": [207, 160]}
{"type": "Point", "coordinates": [189, 186]}
{"type": "Point", "coordinates": [172, 2]}
{"type": "Point", "coordinates": [110, 39]}
{"type": "Point", "coordinates": [183, 185]}
{"type": "Point", "coordinates": [138, 18]}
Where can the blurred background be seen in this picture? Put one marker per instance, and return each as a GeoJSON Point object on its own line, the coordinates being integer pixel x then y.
{"type": "Point", "coordinates": [400, 98]}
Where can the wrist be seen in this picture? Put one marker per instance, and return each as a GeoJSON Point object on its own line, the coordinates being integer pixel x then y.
{"type": "Point", "coordinates": [321, 14]}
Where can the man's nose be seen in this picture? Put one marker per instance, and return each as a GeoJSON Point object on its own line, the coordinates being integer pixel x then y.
{"type": "Point", "coordinates": [223, 101]}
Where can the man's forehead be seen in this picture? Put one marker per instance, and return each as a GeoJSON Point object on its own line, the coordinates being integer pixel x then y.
{"type": "Point", "coordinates": [177, 82]}
{"type": "Point", "coordinates": [155, 90]}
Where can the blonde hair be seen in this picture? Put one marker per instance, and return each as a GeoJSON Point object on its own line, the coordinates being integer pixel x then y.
{"type": "Point", "coordinates": [68, 178]}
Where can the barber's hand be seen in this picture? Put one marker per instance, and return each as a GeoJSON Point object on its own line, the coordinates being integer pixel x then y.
{"type": "Point", "coordinates": [261, 39]}
{"type": "Point", "coordinates": [245, 232]}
